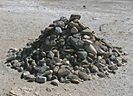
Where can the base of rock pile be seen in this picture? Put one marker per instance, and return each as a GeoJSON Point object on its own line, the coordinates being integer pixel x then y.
{"type": "Point", "coordinates": [66, 51]}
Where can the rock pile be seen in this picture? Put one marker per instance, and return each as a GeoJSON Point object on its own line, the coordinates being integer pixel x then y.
{"type": "Point", "coordinates": [66, 51]}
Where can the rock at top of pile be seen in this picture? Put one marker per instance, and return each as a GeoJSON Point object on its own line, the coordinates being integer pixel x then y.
{"type": "Point", "coordinates": [66, 51]}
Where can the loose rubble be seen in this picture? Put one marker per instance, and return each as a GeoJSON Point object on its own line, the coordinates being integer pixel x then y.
{"type": "Point", "coordinates": [66, 51]}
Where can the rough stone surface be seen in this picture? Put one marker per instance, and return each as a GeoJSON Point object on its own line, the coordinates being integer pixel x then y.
{"type": "Point", "coordinates": [20, 23]}
{"type": "Point", "coordinates": [65, 48]}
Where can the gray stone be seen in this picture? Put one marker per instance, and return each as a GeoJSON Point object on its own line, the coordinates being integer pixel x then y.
{"type": "Point", "coordinates": [72, 24]}
{"type": "Point", "coordinates": [83, 76]}
{"type": "Point", "coordinates": [82, 54]}
{"type": "Point", "coordinates": [55, 70]}
{"type": "Point", "coordinates": [64, 19]}
{"type": "Point", "coordinates": [90, 48]}
{"type": "Point", "coordinates": [101, 74]}
{"type": "Point", "coordinates": [55, 82]}
{"type": "Point", "coordinates": [75, 81]}
{"type": "Point", "coordinates": [124, 60]}
{"type": "Point", "coordinates": [20, 69]}
{"type": "Point", "coordinates": [59, 23]}
{"type": "Point", "coordinates": [9, 59]}
{"type": "Point", "coordinates": [48, 72]}
{"type": "Point", "coordinates": [25, 75]}
{"type": "Point", "coordinates": [63, 72]}
{"type": "Point", "coordinates": [74, 30]}
{"type": "Point", "coordinates": [41, 79]}
{"type": "Point", "coordinates": [75, 43]}
{"type": "Point", "coordinates": [15, 64]}
{"type": "Point", "coordinates": [72, 76]}
{"type": "Point", "coordinates": [31, 78]}
{"type": "Point", "coordinates": [74, 16]}
{"type": "Point", "coordinates": [86, 32]}
{"type": "Point", "coordinates": [58, 30]}
{"type": "Point", "coordinates": [113, 67]}
{"type": "Point", "coordinates": [93, 69]}
{"type": "Point", "coordinates": [50, 54]}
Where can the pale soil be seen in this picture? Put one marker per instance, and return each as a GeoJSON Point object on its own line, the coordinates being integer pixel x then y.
{"type": "Point", "coordinates": [21, 20]}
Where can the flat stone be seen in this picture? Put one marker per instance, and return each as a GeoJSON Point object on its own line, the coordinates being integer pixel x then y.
{"type": "Point", "coordinates": [74, 16]}
{"type": "Point", "coordinates": [41, 79]}
{"type": "Point", "coordinates": [9, 59]}
{"type": "Point", "coordinates": [75, 81]}
{"type": "Point", "coordinates": [86, 37]}
{"type": "Point", "coordinates": [20, 69]}
{"type": "Point", "coordinates": [86, 32]}
{"type": "Point", "coordinates": [93, 69]}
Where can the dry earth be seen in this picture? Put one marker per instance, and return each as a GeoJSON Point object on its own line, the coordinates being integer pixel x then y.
{"type": "Point", "coordinates": [21, 20]}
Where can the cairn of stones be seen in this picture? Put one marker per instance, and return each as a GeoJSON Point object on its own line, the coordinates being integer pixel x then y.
{"type": "Point", "coordinates": [66, 51]}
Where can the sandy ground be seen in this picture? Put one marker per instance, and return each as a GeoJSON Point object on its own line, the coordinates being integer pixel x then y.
{"type": "Point", "coordinates": [21, 20]}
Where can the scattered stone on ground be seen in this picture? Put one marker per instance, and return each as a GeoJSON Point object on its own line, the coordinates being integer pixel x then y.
{"type": "Point", "coordinates": [66, 51]}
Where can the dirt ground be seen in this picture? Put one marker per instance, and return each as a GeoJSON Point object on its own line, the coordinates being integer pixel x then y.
{"type": "Point", "coordinates": [21, 20]}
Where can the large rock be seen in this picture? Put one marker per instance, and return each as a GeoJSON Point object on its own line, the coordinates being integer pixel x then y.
{"type": "Point", "coordinates": [75, 43]}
